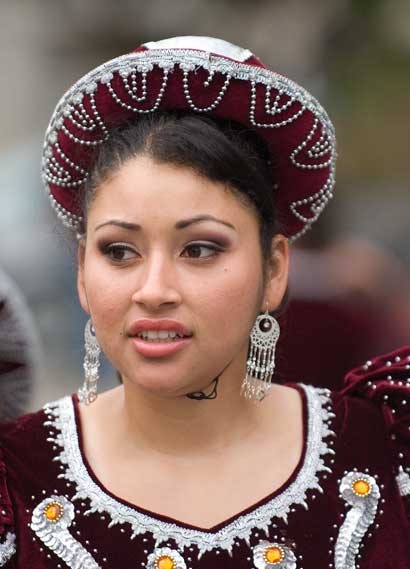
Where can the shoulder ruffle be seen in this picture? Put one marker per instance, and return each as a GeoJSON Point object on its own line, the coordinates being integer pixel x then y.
{"type": "Point", "coordinates": [7, 535]}
{"type": "Point", "coordinates": [385, 380]}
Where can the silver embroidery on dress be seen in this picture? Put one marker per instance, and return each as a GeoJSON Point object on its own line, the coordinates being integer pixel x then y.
{"type": "Point", "coordinates": [403, 482]}
{"type": "Point", "coordinates": [62, 419]}
{"type": "Point", "coordinates": [7, 548]}
{"type": "Point", "coordinates": [273, 556]}
{"type": "Point", "coordinates": [362, 493]}
{"type": "Point", "coordinates": [50, 522]}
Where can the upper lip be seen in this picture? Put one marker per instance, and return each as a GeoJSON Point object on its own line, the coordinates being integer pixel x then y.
{"type": "Point", "coordinates": [146, 324]}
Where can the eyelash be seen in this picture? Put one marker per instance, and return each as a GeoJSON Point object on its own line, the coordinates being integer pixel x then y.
{"type": "Point", "coordinates": [108, 248]}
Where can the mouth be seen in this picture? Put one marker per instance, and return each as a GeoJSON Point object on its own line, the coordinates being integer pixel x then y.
{"type": "Point", "coordinates": [160, 336]}
{"type": "Point", "coordinates": [155, 346]}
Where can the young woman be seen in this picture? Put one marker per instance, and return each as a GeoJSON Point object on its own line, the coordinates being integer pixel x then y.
{"type": "Point", "coordinates": [185, 168]}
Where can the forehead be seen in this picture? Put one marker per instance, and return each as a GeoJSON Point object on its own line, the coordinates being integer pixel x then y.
{"type": "Point", "coordinates": [144, 189]}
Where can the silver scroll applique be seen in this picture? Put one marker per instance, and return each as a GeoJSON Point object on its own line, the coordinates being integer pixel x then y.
{"type": "Point", "coordinates": [7, 548]}
{"type": "Point", "coordinates": [268, 555]}
{"type": "Point", "coordinates": [362, 493]}
{"type": "Point", "coordinates": [403, 482]}
{"type": "Point", "coordinates": [50, 522]}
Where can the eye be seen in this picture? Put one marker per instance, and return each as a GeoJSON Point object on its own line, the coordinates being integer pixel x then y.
{"type": "Point", "coordinates": [117, 252]}
{"type": "Point", "coordinates": [202, 250]}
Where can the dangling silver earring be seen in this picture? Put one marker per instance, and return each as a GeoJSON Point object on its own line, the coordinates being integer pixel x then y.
{"type": "Point", "coordinates": [261, 361]}
{"type": "Point", "coordinates": [88, 391]}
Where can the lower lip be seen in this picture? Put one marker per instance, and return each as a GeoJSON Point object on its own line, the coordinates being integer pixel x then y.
{"type": "Point", "coordinates": [158, 349]}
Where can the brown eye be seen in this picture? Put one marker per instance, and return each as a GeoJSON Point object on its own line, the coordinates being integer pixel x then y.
{"type": "Point", "coordinates": [201, 251]}
{"type": "Point", "coordinates": [118, 252]}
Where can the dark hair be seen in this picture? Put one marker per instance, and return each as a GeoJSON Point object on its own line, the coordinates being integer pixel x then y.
{"type": "Point", "coordinates": [220, 150]}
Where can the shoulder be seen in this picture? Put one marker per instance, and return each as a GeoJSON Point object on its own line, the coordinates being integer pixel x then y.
{"type": "Point", "coordinates": [27, 472]}
{"type": "Point", "coordinates": [25, 441]}
{"type": "Point", "coordinates": [21, 432]}
{"type": "Point", "coordinates": [17, 441]}
{"type": "Point", "coordinates": [376, 402]}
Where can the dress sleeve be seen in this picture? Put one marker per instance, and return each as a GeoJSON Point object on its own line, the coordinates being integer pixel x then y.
{"type": "Point", "coordinates": [7, 532]}
{"type": "Point", "coordinates": [385, 380]}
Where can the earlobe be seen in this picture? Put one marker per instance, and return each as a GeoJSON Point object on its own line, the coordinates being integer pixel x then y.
{"type": "Point", "coordinates": [81, 278]}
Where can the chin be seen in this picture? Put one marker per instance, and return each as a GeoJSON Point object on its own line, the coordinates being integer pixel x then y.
{"type": "Point", "coordinates": [162, 388]}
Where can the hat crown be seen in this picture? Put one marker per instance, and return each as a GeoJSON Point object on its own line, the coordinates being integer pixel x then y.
{"type": "Point", "coordinates": [203, 43]}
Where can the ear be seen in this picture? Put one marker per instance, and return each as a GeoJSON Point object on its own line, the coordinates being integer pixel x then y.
{"type": "Point", "coordinates": [82, 295]}
{"type": "Point", "coordinates": [277, 274]}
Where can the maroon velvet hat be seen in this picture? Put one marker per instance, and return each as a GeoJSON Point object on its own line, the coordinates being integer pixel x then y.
{"type": "Point", "coordinates": [202, 75]}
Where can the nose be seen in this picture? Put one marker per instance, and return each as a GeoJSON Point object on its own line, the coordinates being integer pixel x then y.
{"type": "Point", "coordinates": [157, 284]}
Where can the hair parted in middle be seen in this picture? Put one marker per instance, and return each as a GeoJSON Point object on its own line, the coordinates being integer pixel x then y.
{"type": "Point", "coordinates": [219, 150]}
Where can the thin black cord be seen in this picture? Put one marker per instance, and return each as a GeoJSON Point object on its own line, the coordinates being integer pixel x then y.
{"type": "Point", "coordinates": [201, 395]}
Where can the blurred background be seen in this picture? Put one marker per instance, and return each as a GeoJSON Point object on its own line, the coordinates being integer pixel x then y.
{"type": "Point", "coordinates": [350, 276]}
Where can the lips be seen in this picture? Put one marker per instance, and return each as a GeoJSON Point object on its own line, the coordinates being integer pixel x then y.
{"type": "Point", "coordinates": [145, 325]}
{"type": "Point", "coordinates": [153, 349]}
{"type": "Point", "coordinates": [159, 349]}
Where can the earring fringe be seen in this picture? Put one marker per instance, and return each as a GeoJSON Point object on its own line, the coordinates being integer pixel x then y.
{"type": "Point", "coordinates": [261, 361]}
{"type": "Point", "coordinates": [87, 393]}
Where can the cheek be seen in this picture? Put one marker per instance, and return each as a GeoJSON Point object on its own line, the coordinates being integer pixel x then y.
{"type": "Point", "coordinates": [107, 297]}
{"type": "Point", "coordinates": [232, 297]}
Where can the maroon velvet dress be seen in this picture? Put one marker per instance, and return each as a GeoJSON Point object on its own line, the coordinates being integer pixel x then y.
{"type": "Point", "coordinates": [346, 505]}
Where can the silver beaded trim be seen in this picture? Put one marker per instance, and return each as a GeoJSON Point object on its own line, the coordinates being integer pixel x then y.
{"type": "Point", "coordinates": [57, 538]}
{"type": "Point", "coordinates": [323, 152]}
{"type": "Point", "coordinates": [358, 519]}
{"type": "Point", "coordinates": [7, 548]}
{"type": "Point", "coordinates": [61, 417]}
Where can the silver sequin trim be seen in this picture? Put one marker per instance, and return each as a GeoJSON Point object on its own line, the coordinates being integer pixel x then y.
{"type": "Point", "coordinates": [62, 419]}
{"type": "Point", "coordinates": [57, 538]}
{"type": "Point", "coordinates": [403, 482]}
{"type": "Point", "coordinates": [7, 548]}
{"type": "Point", "coordinates": [306, 210]}
{"type": "Point", "coordinates": [358, 519]}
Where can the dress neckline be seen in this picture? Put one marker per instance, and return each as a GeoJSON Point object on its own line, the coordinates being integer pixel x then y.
{"type": "Point", "coordinates": [317, 415]}
{"type": "Point", "coordinates": [169, 519]}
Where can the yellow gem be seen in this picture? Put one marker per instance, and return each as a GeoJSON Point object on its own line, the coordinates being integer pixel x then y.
{"type": "Point", "coordinates": [274, 554]}
{"type": "Point", "coordinates": [362, 487]}
{"type": "Point", "coordinates": [53, 512]}
{"type": "Point", "coordinates": [165, 562]}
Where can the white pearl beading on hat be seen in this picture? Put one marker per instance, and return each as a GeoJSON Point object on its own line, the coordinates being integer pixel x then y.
{"type": "Point", "coordinates": [71, 109]}
{"type": "Point", "coordinates": [155, 106]}
{"type": "Point", "coordinates": [206, 84]}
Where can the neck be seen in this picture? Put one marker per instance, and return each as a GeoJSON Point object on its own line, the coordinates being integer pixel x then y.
{"type": "Point", "coordinates": [180, 425]}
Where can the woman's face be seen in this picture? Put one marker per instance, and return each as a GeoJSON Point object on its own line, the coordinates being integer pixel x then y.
{"type": "Point", "coordinates": [164, 243]}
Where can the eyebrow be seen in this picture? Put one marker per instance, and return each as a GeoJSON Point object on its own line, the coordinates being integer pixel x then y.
{"type": "Point", "coordinates": [182, 224]}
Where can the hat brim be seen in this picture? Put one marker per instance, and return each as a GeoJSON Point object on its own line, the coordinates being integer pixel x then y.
{"type": "Point", "coordinates": [295, 127]}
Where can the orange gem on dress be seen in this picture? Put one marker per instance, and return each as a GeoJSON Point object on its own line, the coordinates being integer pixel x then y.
{"type": "Point", "coordinates": [274, 554]}
{"type": "Point", "coordinates": [362, 487]}
{"type": "Point", "coordinates": [165, 562]}
{"type": "Point", "coordinates": [54, 511]}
